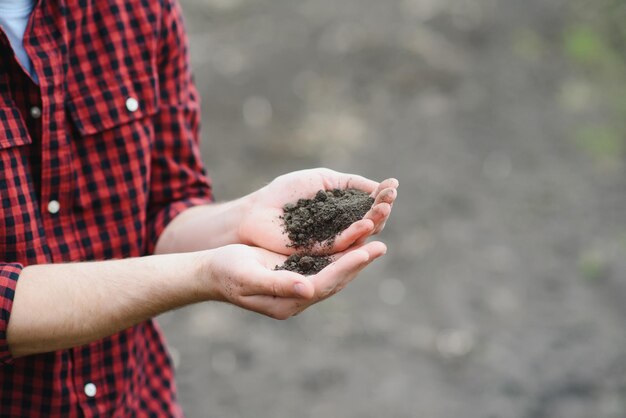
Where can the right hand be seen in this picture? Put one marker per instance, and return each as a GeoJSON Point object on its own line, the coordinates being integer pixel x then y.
{"type": "Point", "coordinates": [245, 276]}
{"type": "Point", "coordinates": [261, 225]}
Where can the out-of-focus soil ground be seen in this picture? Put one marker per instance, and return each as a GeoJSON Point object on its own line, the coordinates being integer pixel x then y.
{"type": "Point", "coordinates": [503, 293]}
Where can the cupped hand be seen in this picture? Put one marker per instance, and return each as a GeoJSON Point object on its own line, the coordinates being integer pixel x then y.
{"type": "Point", "coordinates": [262, 225]}
{"type": "Point", "coordinates": [245, 276]}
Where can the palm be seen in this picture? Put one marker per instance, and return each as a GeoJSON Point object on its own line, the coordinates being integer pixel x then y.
{"type": "Point", "coordinates": [262, 226]}
{"type": "Point", "coordinates": [246, 276]}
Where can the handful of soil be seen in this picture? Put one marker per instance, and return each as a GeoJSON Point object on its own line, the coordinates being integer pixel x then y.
{"type": "Point", "coordinates": [319, 220]}
{"type": "Point", "coordinates": [313, 221]}
{"type": "Point", "coordinates": [305, 264]}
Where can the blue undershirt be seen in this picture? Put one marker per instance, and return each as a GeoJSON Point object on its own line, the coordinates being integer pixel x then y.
{"type": "Point", "coordinates": [14, 15]}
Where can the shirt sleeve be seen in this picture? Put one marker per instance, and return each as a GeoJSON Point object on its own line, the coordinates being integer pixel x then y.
{"type": "Point", "coordinates": [178, 178]}
{"type": "Point", "coordinates": [8, 281]}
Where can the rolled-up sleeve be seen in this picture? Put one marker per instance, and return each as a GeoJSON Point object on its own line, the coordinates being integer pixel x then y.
{"type": "Point", "coordinates": [178, 178]}
{"type": "Point", "coordinates": [9, 273]}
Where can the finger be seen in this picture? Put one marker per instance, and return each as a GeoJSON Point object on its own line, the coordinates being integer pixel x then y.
{"type": "Point", "coordinates": [381, 209]}
{"type": "Point", "coordinates": [342, 271]}
{"type": "Point", "coordinates": [379, 215]}
{"type": "Point", "coordinates": [335, 180]}
{"type": "Point", "coordinates": [338, 273]}
{"type": "Point", "coordinates": [375, 249]}
{"type": "Point", "coordinates": [390, 183]}
{"type": "Point", "coordinates": [360, 183]}
{"type": "Point", "coordinates": [359, 230]}
{"type": "Point", "coordinates": [387, 195]}
{"type": "Point", "coordinates": [279, 283]}
{"type": "Point", "coordinates": [277, 308]}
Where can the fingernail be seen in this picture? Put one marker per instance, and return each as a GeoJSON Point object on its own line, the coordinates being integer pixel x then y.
{"type": "Point", "coordinates": [299, 288]}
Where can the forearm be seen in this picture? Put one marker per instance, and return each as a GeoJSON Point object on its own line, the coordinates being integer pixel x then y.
{"type": "Point", "coordinates": [204, 227]}
{"type": "Point", "coordinates": [59, 306]}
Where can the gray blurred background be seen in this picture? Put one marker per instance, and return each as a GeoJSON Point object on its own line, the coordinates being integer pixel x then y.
{"type": "Point", "coordinates": [503, 293]}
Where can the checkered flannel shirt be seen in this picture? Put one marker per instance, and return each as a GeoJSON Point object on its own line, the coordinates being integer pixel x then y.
{"type": "Point", "coordinates": [94, 162]}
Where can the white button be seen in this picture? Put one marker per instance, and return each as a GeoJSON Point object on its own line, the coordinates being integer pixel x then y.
{"type": "Point", "coordinates": [35, 112]}
{"type": "Point", "coordinates": [90, 390]}
{"type": "Point", "coordinates": [132, 104]}
{"type": "Point", "coordinates": [54, 206]}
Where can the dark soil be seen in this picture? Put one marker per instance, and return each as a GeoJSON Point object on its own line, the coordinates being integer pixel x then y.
{"type": "Point", "coordinates": [321, 219]}
{"type": "Point", "coordinates": [305, 264]}
{"type": "Point", "coordinates": [318, 221]}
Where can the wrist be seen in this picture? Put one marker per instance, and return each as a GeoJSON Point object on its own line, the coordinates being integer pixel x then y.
{"type": "Point", "coordinates": [203, 276]}
{"type": "Point", "coordinates": [176, 278]}
{"type": "Point", "coordinates": [242, 208]}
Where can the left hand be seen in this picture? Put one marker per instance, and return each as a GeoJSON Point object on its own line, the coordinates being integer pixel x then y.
{"type": "Point", "coordinates": [261, 225]}
{"type": "Point", "coordinates": [244, 276]}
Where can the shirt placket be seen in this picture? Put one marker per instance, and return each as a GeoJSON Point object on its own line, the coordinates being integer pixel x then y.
{"type": "Point", "coordinates": [4, 42]}
{"type": "Point", "coordinates": [56, 162]}
{"type": "Point", "coordinates": [57, 188]}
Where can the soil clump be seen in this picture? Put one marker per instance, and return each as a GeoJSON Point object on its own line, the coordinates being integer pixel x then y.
{"type": "Point", "coordinates": [319, 220]}
{"type": "Point", "coordinates": [305, 264]}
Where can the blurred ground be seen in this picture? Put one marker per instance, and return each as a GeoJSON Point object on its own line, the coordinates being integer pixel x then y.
{"type": "Point", "coordinates": [503, 293]}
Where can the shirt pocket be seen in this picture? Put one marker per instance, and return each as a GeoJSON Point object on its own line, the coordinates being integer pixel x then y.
{"type": "Point", "coordinates": [19, 239]}
{"type": "Point", "coordinates": [103, 108]}
{"type": "Point", "coordinates": [112, 140]}
{"type": "Point", "coordinates": [13, 132]}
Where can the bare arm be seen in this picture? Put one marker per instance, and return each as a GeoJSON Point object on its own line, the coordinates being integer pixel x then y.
{"type": "Point", "coordinates": [204, 227]}
{"type": "Point", "coordinates": [58, 306]}
{"type": "Point", "coordinates": [66, 305]}
{"type": "Point", "coordinates": [255, 218]}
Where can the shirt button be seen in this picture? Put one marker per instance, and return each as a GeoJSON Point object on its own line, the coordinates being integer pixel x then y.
{"type": "Point", "coordinates": [90, 390]}
{"type": "Point", "coordinates": [54, 206]}
{"type": "Point", "coordinates": [132, 104]}
{"type": "Point", "coordinates": [35, 112]}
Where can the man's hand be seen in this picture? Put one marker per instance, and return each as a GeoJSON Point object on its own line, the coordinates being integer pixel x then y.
{"type": "Point", "coordinates": [261, 224]}
{"type": "Point", "coordinates": [245, 276]}
{"type": "Point", "coordinates": [58, 306]}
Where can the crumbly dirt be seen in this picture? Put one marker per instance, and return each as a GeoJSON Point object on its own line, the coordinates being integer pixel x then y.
{"type": "Point", "coordinates": [321, 219]}
{"type": "Point", "coordinates": [305, 264]}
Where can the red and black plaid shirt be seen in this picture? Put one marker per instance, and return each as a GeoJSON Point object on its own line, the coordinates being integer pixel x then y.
{"type": "Point", "coordinates": [94, 162]}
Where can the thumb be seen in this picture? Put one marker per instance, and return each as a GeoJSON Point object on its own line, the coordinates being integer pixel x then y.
{"type": "Point", "coordinates": [287, 284]}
